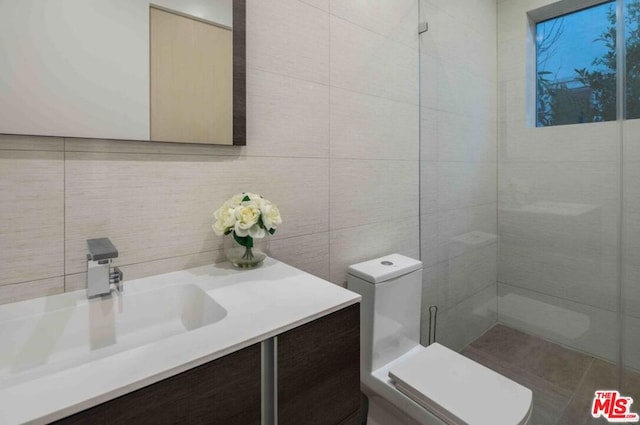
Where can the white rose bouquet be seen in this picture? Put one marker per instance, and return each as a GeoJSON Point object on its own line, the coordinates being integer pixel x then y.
{"type": "Point", "coordinates": [247, 216]}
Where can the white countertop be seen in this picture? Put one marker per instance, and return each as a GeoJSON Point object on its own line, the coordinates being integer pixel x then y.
{"type": "Point", "coordinates": [259, 303]}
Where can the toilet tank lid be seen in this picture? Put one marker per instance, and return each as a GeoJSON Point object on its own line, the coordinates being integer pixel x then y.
{"type": "Point", "coordinates": [384, 268]}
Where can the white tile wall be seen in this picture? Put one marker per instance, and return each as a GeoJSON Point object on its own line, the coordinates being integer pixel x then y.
{"type": "Point", "coordinates": [286, 116]}
{"type": "Point", "coordinates": [466, 184]}
{"type": "Point", "coordinates": [396, 20]}
{"type": "Point", "coordinates": [288, 37]}
{"type": "Point", "coordinates": [366, 62]}
{"type": "Point", "coordinates": [371, 127]}
{"type": "Point", "coordinates": [372, 191]}
{"type": "Point", "coordinates": [31, 214]}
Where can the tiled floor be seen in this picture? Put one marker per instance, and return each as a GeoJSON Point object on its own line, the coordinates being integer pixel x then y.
{"type": "Point", "coordinates": [563, 381]}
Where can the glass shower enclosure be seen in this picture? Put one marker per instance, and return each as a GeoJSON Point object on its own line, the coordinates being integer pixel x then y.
{"type": "Point", "coordinates": [530, 193]}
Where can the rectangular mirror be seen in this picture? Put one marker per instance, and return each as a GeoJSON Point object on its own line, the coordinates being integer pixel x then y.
{"type": "Point", "coordinates": [166, 70]}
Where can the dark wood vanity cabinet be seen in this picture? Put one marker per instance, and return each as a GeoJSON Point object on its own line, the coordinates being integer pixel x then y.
{"type": "Point", "coordinates": [317, 374]}
{"type": "Point", "coordinates": [319, 371]}
{"type": "Point", "coordinates": [226, 391]}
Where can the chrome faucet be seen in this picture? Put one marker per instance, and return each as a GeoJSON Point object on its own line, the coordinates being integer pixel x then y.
{"type": "Point", "coordinates": [100, 274]}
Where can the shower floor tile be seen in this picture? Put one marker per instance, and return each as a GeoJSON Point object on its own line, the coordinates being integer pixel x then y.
{"type": "Point", "coordinates": [563, 381]}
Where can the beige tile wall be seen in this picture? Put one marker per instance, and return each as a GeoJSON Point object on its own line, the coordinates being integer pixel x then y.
{"type": "Point", "coordinates": [332, 116]}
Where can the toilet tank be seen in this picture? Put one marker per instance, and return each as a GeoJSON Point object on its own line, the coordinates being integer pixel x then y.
{"type": "Point", "coordinates": [391, 290]}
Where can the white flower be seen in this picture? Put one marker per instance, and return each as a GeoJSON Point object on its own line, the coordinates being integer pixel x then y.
{"type": "Point", "coordinates": [270, 215]}
{"type": "Point", "coordinates": [225, 218]}
{"type": "Point", "coordinates": [247, 216]}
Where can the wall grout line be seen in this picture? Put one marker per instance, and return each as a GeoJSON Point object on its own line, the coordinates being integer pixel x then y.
{"type": "Point", "coordinates": [64, 212]}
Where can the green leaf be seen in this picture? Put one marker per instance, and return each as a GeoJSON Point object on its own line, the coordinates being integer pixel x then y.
{"type": "Point", "coordinates": [260, 223]}
{"type": "Point", "coordinates": [228, 231]}
{"type": "Point", "coordinates": [246, 198]}
{"type": "Point", "coordinates": [272, 231]}
{"type": "Point", "coordinates": [246, 241]}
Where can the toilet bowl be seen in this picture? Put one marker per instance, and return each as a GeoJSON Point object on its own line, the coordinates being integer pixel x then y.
{"type": "Point", "coordinates": [410, 384]}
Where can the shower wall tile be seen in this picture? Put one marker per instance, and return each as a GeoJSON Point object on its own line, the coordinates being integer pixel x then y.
{"type": "Point", "coordinates": [371, 127]}
{"type": "Point", "coordinates": [320, 4]}
{"type": "Point", "coordinates": [31, 216]}
{"type": "Point", "coordinates": [512, 58]}
{"type": "Point", "coordinates": [25, 290]}
{"type": "Point", "coordinates": [288, 37]}
{"type": "Point", "coordinates": [466, 184]}
{"type": "Point", "coordinates": [463, 276]}
{"type": "Point", "coordinates": [286, 116]}
{"type": "Point", "coordinates": [467, 139]}
{"type": "Point", "coordinates": [631, 137]}
{"type": "Point", "coordinates": [429, 172]}
{"type": "Point", "coordinates": [480, 15]}
{"type": "Point", "coordinates": [631, 186]}
{"type": "Point", "coordinates": [178, 195]}
{"type": "Point", "coordinates": [464, 93]}
{"type": "Point", "coordinates": [565, 143]}
{"type": "Point", "coordinates": [455, 42]}
{"type": "Point", "coordinates": [575, 325]}
{"type": "Point", "coordinates": [355, 244]}
{"type": "Point", "coordinates": [369, 63]}
{"type": "Point", "coordinates": [513, 103]}
{"type": "Point", "coordinates": [512, 21]}
{"type": "Point", "coordinates": [631, 276]}
{"type": "Point", "coordinates": [371, 191]}
{"type": "Point", "coordinates": [429, 69]}
{"type": "Point", "coordinates": [464, 322]}
{"type": "Point", "coordinates": [428, 134]}
{"type": "Point", "coordinates": [564, 183]}
{"type": "Point", "coordinates": [578, 278]}
{"type": "Point", "coordinates": [632, 343]}
{"type": "Point", "coordinates": [429, 239]}
{"type": "Point", "coordinates": [465, 229]}
{"type": "Point", "coordinates": [395, 20]}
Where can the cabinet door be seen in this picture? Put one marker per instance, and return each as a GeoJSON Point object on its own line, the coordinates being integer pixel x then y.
{"type": "Point", "coordinates": [225, 391]}
{"type": "Point", "coordinates": [319, 370]}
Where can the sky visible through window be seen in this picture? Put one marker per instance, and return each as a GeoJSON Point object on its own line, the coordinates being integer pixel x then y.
{"type": "Point", "coordinates": [565, 45]}
{"type": "Point", "coordinates": [576, 65]}
{"type": "Point", "coordinates": [576, 45]}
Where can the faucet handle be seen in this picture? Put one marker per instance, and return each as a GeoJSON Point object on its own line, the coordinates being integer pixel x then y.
{"type": "Point", "coordinates": [116, 277]}
{"type": "Point", "coordinates": [101, 249]}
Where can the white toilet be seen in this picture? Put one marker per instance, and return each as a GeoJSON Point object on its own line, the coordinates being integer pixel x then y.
{"type": "Point", "coordinates": [407, 383]}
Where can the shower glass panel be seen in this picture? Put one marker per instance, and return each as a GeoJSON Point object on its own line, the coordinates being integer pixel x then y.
{"type": "Point", "coordinates": [530, 235]}
{"type": "Point", "coordinates": [631, 206]}
{"type": "Point", "coordinates": [458, 151]}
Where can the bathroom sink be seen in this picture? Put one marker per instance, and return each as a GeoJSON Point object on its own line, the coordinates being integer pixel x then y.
{"type": "Point", "coordinates": [69, 330]}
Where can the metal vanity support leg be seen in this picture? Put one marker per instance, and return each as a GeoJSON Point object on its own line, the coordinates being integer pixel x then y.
{"type": "Point", "coordinates": [270, 381]}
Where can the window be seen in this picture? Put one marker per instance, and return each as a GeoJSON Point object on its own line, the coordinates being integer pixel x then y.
{"type": "Point", "coordinates": [576, 65]}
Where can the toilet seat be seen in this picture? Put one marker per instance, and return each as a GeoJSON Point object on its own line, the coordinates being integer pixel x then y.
{"type": "Point", "coordinates": [460, 390]}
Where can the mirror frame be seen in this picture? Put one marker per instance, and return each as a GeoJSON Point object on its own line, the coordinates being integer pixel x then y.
{"type": "Point", "coordinates": [239, 73]}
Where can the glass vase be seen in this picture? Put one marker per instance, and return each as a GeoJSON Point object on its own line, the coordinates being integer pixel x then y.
{"type": "Point", "coordinates": [245, 257]}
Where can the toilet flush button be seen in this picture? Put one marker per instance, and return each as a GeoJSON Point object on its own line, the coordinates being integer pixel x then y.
{"type": "Point", "coordinates": [386, 263]}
